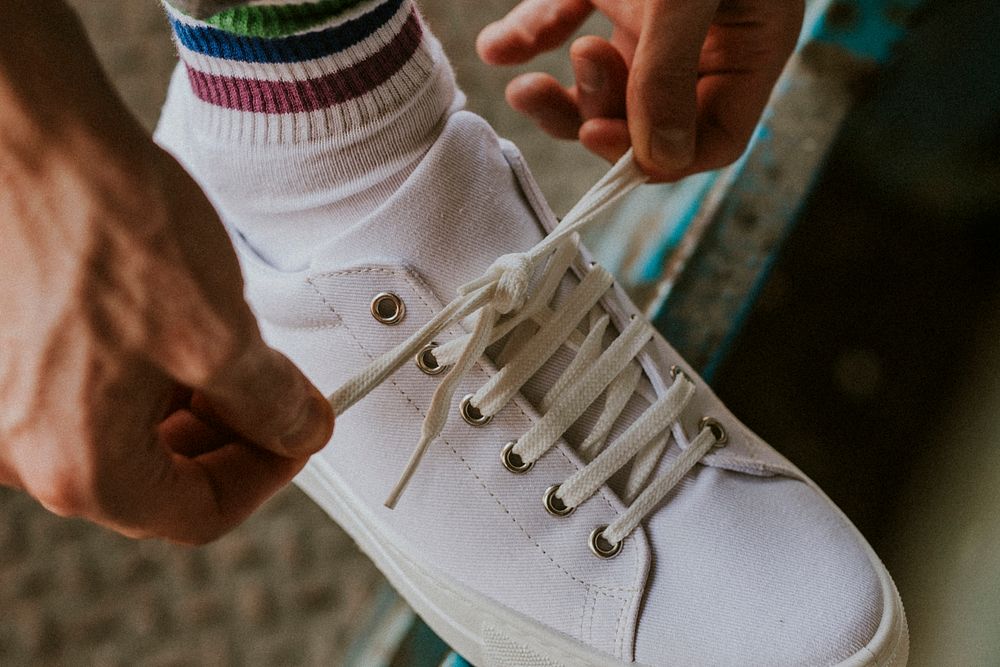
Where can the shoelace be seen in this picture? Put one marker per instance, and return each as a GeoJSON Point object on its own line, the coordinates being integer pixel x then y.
{"type": "Point", "coordinates": [501, 303]}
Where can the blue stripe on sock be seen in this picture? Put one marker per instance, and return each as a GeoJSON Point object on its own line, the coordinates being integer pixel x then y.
{"type": "Point", "coordinates": [296, 48]}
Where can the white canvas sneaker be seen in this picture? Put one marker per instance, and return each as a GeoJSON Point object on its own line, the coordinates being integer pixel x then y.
{"type": "Point", "coordinates": [574, 493]}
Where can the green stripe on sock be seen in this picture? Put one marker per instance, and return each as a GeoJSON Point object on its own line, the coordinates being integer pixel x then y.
{"type": "Point", "coordinates": [278, 20]}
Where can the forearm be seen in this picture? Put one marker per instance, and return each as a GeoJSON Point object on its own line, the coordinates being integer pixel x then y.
{"type": "Point", "coordinates": [54, 97]}
{"type": "Point", "coordinates": [120, 294]}
{"type": "Point", "coordinates": [73, 161]}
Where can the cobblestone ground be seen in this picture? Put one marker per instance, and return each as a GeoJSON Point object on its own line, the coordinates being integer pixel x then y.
{"type": "Point", "coordinates": [288, 587]}
{"type": "Point", "coordinates": [285, 588]}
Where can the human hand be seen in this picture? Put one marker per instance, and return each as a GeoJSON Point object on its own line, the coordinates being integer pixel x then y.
{"type": "Point", "coordinates": [684, 82]}
{"type": "Point", "coordinates": [135, 389]}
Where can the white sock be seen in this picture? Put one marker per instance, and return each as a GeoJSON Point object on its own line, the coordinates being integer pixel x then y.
{"type": "Point", "coordinates": [300, 119]}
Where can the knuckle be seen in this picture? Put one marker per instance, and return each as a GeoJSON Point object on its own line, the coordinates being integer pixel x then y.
{"type": "Point", "coordinates": [198, 349]}
{"type": "Point", "coordinates": [671, 71]}
{"type": "Point", "coordinates": [202, 363]}
{"type": "Point", "coordinates": [62, 493]}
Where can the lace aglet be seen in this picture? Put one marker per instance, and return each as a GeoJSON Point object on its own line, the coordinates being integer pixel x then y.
{"type": "Point", "coordinates": [393, 498]}
{"type": "Point", "coordinates": [397, 491]}
{"type": "Point", "coordinates": [404, 479]}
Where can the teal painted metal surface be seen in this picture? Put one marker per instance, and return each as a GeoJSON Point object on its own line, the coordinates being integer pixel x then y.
{"type": "Point", "coordinates": [867, 29]}
{"type": "Point", "coordinates": [455, 660]}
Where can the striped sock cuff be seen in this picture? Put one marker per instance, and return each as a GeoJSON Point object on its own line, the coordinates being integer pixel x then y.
{"type": "Point", "coordinates": [278, 20]}
{"type": "Point", "coordinates": [311, 69]}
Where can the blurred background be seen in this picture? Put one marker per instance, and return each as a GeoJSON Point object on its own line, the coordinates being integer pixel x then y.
{"type": "Point", "coordinates": [872, 360]}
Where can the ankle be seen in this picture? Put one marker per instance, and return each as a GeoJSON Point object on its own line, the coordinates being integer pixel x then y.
{"type": "Point", "coordinates": [299, 123]}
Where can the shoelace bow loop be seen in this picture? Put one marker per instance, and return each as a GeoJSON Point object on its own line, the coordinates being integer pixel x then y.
{"type": "Point", "coordinates": [509, 277]}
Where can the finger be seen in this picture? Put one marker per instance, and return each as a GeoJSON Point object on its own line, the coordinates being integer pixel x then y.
{"type": "Point", "coordinates": [178, 477]}
{"type": "Point", "coordinates": [541, 98]}
{"type": "Point", "coordinates": [203, 334]}
{"type": "Point", "coordinates": [729, 109]}
{"type": "Point", "coordinates": [155, 492]}
{"type": "Point", "coordinates": [184, 433]}
{"type": "Point", "coordinates": [179, 399]}
{"type": "Point", "coordinates": [240, 477]}
{"type": "Point", "coordinates": [601, 78]}
{"type": "Point", "coordinates": [606, 137]}
{"type": "Point", "coordinates": [662, 102]}
{"type": "Point", "coordinates": [532, 27]}
{"type": "Point", "coordinates": [736, 81]}
{"type": "Point", "coordinates": [262, 396]}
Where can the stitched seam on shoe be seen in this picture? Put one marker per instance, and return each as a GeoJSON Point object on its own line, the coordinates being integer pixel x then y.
{"type": "Point", "coordinates": [310, 327]}
{"type": "Point", "coordinates": [620, 632]}
{"type": "Point", "coordinates": [418, 286]}
{"type": "Point", "coordinates": [420, 296]}
{"type": "Point", "coordinates": [478, 478]}
{"type": "Point", "coordinates": [618, 625]}
{"type": "Point", "coordinates": [593, 613]}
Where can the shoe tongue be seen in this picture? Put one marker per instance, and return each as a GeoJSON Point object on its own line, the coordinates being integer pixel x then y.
{"type": "Point", "coordinates": [458, 211]}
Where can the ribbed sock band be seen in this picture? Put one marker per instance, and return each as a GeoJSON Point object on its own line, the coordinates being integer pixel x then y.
{"type": "Point", "coordinates": [278, 20]}
{"type": "Point", "coordinates": [315, 68]}
{"type": "Point", "coordinates": [298, 119]}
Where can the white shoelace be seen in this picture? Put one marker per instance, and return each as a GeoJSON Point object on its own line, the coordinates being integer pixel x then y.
{"type": "Point", "coordinates": [501, 303]}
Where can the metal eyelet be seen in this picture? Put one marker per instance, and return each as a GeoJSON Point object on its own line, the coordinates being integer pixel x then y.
{"type": "Point", "coordinates": [600, 546]}
{"type": "Point", "coordinates": [388, 308]}
{"type": "Point", "coordinates": [554, 505]}
{"type": "Point", "coordinates": [676, 370]}
{"type": "Point", "coordinates": [427, 362]}
{"type": "Point", "coordinates": [512, 461]}
{"type": "Point", "coordinates": [717, 429]}
{"type": "Point", "coordinates": [471, 413]}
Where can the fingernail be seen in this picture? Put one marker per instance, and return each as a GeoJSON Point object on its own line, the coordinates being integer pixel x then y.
{"type": "Point", "coordinates": [589, 77]}
{"type": "Point", "coordinates": [312, 426]}
{"type": "Point", "coordinates": [671, 148]}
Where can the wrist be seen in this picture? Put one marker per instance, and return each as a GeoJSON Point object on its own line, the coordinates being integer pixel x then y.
{"type": "Point", "coordinates": [54, 96]}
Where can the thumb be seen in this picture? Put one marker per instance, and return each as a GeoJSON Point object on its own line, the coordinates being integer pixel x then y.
{"type": "Point", "coordinates": [264, 397]}
{"type": "Point", "coordinates": [662, 90]}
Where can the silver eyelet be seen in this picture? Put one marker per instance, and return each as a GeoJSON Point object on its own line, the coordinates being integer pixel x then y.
{"type": "Point", "coordinates": [471, 413]}
{"type": "Point", "coordinates": [512, 461]}
{"type": "Point", "coordinates": [717, 430]}
{"type": "Point", "coordinates": [427, 362]}
{"type": "Point", "coordinates": [554, 505]}
{"type": "Point", "coordinates": [676, 370]}
{"type": "Point", "coordinates": [388, 308]}
{"type": "Point", "coordinates": [600, 546]}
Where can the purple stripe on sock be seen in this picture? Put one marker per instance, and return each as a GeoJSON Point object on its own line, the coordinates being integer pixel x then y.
{"type": "Point", "coordinates": [279, 97]}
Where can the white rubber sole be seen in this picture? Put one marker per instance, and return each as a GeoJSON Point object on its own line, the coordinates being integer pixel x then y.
{"type": "Point", "coordinates": [462, 617]}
